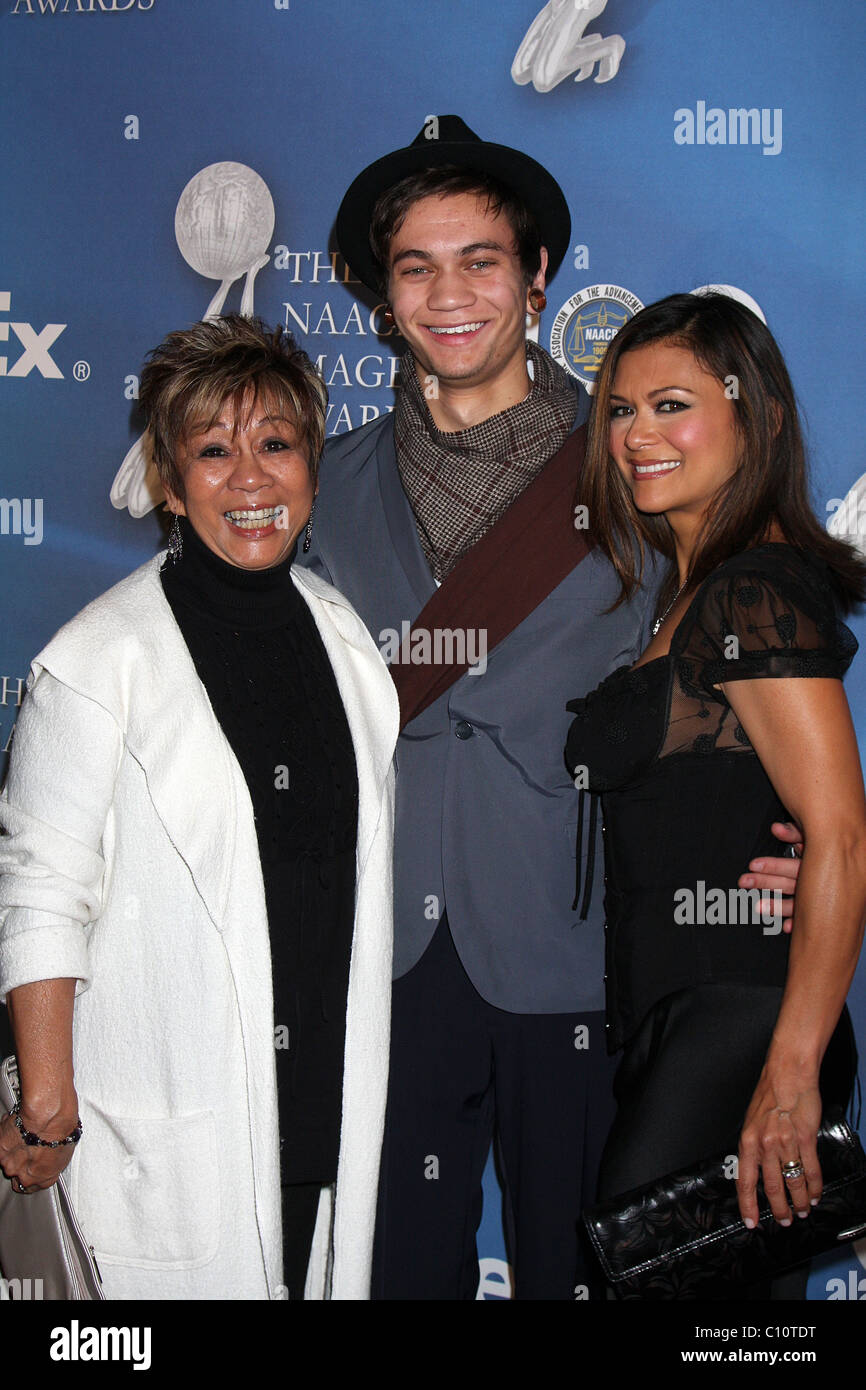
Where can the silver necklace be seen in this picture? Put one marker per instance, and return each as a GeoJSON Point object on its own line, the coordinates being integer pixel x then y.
{"type": "Point", "coordinates": [658, 622]}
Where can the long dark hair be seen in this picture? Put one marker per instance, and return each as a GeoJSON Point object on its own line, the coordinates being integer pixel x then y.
{"type": "Point", "coordinates": [771, 483]}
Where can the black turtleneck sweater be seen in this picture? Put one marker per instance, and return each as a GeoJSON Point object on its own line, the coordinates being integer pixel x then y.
{"type": "Point", "coordinates": [259, 655]}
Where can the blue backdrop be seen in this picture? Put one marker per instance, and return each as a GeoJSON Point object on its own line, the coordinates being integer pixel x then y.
{"type": "Point", "coordinates": [722, 146]}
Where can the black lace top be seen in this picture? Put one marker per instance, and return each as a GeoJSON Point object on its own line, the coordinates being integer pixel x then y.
{"type": "Point", "coordinates": [686, 803]}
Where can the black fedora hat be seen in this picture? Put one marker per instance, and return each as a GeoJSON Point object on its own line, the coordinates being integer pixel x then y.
{"type": "Point", "coordinates": [448, 140]}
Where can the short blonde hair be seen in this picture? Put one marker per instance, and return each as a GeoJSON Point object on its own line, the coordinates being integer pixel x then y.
{"type": "Point", "coordinates": [196, 370]}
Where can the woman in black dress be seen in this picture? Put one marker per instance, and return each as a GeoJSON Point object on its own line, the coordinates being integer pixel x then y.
{"type": "Point", "coordinates": [733, 718]}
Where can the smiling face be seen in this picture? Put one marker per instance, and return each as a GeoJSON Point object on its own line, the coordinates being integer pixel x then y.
{"type": "Point", "coordinates": [459, 295]}
{"type": "Point", "coordinates": [248, 489]}
{"type": "Point", "coordinates": [673, 431]}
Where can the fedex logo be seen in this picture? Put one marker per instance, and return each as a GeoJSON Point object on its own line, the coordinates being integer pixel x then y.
{"type": "Point", "coordinates": [36, 345]}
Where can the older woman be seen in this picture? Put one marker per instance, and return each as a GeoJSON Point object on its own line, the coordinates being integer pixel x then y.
{"type": "Point", "coordinates": [196, 907]}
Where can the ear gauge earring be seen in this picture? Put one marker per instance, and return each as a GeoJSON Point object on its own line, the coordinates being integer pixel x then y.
{"type": "Point", "coordinates": [175, 541]}
{"type": "Point", "coordinates": [388, 315]}
{"type": "Point", "coordinates": [308, 534]}
{"type": "Point", "coordinates": [537, 300]}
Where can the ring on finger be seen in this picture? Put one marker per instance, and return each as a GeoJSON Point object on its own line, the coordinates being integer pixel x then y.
{"type": "Point", "coordinates": [793, 1170]}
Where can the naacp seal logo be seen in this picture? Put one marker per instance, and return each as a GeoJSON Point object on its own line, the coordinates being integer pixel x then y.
{"type": "Point", "coordinates": [585, 325]}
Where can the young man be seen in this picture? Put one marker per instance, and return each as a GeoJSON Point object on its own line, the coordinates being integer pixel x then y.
{"type": "Point", "coordinates": [498, 1023]}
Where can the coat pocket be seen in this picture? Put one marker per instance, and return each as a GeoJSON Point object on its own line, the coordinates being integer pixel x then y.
{"type": "Point", "coordinates": [147, 1190]}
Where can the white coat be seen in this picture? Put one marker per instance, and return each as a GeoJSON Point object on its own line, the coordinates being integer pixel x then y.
{"type": "Point", "coordinates": [130, 862]}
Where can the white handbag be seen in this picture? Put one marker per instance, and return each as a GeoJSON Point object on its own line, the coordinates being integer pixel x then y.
{"type": "Point", "coordinates": [43, 1252]}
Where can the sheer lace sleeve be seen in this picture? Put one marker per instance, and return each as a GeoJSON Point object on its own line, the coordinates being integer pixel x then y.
{"type": "Point", "coordinates": [766, 614]}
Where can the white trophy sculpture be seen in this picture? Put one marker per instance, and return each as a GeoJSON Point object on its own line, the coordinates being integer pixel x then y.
{"type": "Point", "coordinates": [733, 292]}
{"type": "Point", "coordinates": [223, 224]}
{"type": "Point", "coordinates": [555, 46]}
{"type": "Point", "coordinates": [848, 523]}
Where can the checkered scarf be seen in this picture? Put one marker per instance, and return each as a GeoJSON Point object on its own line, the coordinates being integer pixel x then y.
{"type": "Point", "coordinates": [460, 483]}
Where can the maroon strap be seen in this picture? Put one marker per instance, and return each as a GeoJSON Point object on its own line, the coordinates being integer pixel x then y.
{"type": "Point", "coordinates": [501, 580]}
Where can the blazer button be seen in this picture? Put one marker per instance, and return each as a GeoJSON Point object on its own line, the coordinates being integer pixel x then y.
{"type": "Point", "coordinates": [463, 729]}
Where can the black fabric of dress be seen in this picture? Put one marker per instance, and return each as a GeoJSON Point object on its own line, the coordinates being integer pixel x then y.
{"type": "Point", "coordinates": [700, 1045]}
{"type": "Point", "coordinates": [686, 803]}
{"type": "Point", "coordinates": [258, 653]}
{"type": "Point", "coordinates": [685, 799]}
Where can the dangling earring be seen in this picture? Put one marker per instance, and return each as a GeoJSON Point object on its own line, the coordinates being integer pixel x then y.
{"type": "Point", "coordinates": [537, 300]}
{"type": "Point", "coordinates": [388, 316]}
{"type": "Point", "coordinates": [308, 534]}
{"type": "Point", "coordinates": [175, 541]}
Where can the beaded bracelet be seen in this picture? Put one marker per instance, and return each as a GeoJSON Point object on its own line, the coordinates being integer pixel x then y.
{"type": "Point", "coordinates": [33, 1139]}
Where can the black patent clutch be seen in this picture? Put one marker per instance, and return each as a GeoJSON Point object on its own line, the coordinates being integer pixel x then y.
{"type": "Point", "coordinates": [681, 1236]}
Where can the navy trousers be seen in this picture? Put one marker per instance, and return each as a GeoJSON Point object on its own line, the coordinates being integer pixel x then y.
{"type": "Point", "coordinates": [463, 1073]}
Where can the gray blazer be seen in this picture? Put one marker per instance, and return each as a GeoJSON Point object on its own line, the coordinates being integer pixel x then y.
{"type": "Point", "coordinates": [486, 813]}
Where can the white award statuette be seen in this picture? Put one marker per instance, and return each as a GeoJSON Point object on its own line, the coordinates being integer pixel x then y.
{"type": "Point", "coordinates": [136, 483]}
{"type": "Point", "coordinates": [848, 523]}
{"type": "Point", "coordinates": [733, 292]}
{"type": "Point", "coordinates": [555, 46]}
{"type": "Point", "coordinates": [223, 224]}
